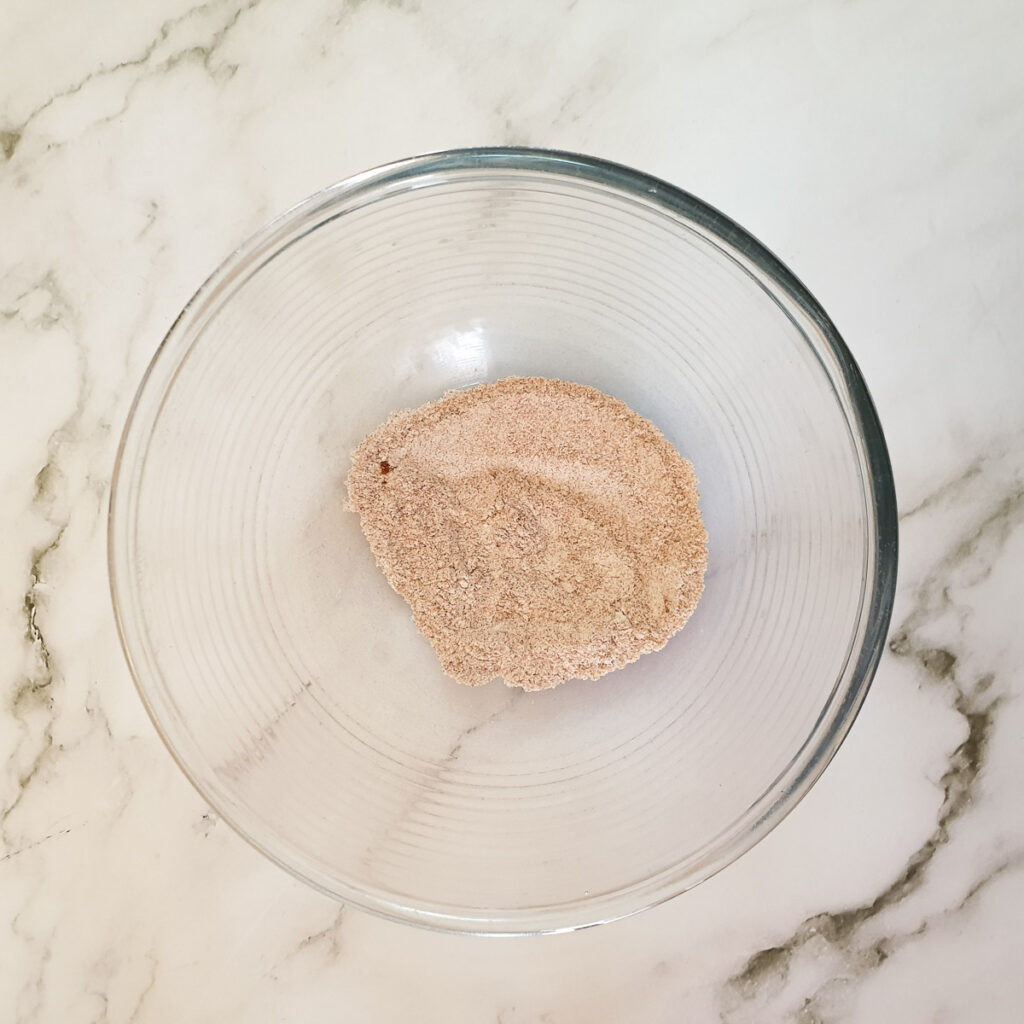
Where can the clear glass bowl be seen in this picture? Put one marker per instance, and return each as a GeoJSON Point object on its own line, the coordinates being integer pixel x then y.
{"type": "Point", "coordinates": [288, 680]}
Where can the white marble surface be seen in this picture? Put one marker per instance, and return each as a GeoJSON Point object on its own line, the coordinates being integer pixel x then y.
{"type": "Point", "coordinates": [877, 147]}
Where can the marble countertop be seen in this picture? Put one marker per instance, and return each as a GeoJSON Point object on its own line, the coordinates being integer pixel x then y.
{"type": "Point", "coordinates": [877, 148]}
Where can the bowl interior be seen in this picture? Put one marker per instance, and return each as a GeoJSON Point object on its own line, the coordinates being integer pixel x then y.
{"type": "Point", "coordinates": [290, 681]}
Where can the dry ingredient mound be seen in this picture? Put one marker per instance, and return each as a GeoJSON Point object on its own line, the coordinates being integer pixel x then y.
{"type": "Point", "coordinates": [540, 530]}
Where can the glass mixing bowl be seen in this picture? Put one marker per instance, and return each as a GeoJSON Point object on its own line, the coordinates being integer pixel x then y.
{"type": "Point", "coordinates": [289, 681]}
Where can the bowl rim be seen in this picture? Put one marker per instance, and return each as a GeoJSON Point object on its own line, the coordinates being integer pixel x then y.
{"type": "Point", "coordinates": [880, 501]}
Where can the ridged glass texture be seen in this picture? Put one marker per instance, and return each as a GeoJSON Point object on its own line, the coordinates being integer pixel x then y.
{"type": "Point", "coordinates": [289, 681]}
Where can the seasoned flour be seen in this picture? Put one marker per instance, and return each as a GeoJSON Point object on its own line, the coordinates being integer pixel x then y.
{"type": "Point", "coordinates": [540, 530]}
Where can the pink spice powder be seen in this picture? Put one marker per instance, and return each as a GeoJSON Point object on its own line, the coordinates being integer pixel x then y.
{"type": "Point", "coordinates": [540, 530]}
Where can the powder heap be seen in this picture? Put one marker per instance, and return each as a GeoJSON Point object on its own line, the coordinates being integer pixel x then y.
{"type": "Point", "coordinates": [540, 530]}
